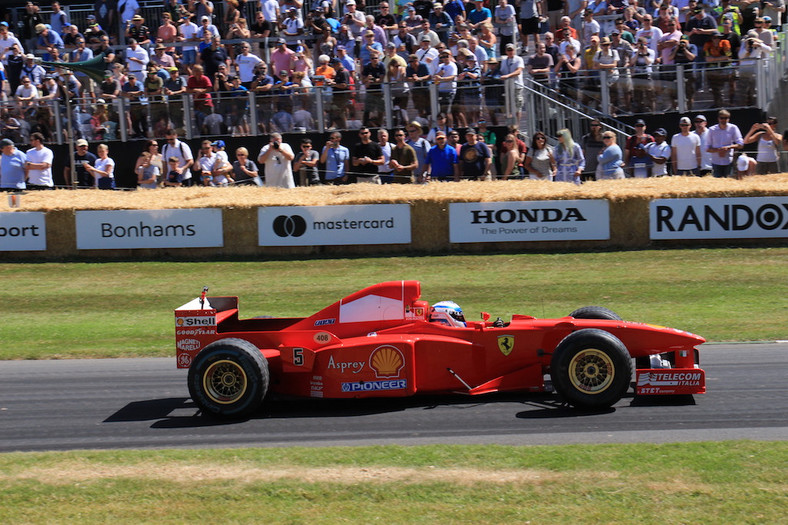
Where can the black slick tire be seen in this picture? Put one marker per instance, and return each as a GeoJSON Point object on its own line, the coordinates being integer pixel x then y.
{"type": "Point", "coordinates": [229, 378]}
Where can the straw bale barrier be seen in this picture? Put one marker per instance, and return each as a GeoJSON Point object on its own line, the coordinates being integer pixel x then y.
{"type": "Point", "coordinates": [629, 207]}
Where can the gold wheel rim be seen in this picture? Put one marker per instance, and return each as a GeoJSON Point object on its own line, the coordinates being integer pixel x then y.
{"type": "Point", "coordinates": [225, 382]}
{"type": "Point", "coordinates": [591, 371]}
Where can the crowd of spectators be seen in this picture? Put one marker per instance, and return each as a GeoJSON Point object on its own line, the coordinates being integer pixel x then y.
{"type": "Point", "coordinates": [357, 54]}
{"type": "Point", "coordinates": [367, 57]}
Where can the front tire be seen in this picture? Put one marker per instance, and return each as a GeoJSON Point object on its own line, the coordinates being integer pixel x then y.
{"type": "Point", "coordinates": [591, 369]}
{"type": "Point", "coordinates": [229, 378]}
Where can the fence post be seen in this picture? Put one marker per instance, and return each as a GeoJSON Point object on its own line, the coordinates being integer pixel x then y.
{"type": "Point", "coordinates": [680, 89]}
{"type": "Point", "coordinates": [253, 125]}
{"type": "Point", "coordinates": [320, 113]}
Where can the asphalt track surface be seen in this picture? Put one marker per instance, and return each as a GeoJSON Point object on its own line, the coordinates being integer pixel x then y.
{"type": "Point", "coordinates": [144, 403]}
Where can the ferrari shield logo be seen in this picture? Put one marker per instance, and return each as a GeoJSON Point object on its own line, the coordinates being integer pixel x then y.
{"type": "Point", "coordinates": [506, 344]}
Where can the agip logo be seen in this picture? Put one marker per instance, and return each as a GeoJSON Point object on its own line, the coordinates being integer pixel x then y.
{"type": "Point", "coordinates": [289, 226]}
{"type": "Point", "coordinates": [386, 361]}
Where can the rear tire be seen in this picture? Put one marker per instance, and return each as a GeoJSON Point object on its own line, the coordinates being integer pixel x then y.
{"type": "Point", "coordinates": [595, 312]}
{"type": "Point", "coordinates": [591, 369]}
{"type": "Point", "coordinates": [229, 378]}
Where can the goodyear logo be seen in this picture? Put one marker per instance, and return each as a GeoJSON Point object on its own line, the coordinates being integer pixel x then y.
{"type": "Point", "coordinates": [195, 321]}
{"type": "Point", "coordinates": [371, 386]}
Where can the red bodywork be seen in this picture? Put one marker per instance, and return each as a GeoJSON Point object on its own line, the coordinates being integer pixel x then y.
{"type": "Point", "coordinates": [378, 342]}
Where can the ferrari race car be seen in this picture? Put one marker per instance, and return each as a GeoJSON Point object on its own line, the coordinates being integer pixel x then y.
{"type": "Point", "coordinates": [384, 341]}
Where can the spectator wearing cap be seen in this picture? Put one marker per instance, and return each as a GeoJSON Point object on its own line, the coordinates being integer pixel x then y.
{"type": "Point", "coordinates": [446, 78]}
{"type": "Point", "coordinates": [635, 155]}
{"type": "Point", "coordinates": [440, 22]}
{"type": "Point", "coordinates": [475, 158]}
{"type": "Point", "coordinates": [412, 19]}
{"type": "Point", "coordinates": [161, 58]}
{"type": "Point", "coordinates": [659, 152]}
{"type": "Point", "coordinates": [292, 27]}
{"type": "Point", "coordinates": [81, 155]}
{"type": "Point", "coordinates": [188, 32]}
{"type": "Point", "coordinates": [203, 8]}
{"type": "Point", "coordinates": [700, 27]}
{"type": "Point", "coordinates": [512, 66]}
{"type": "Point", "coordinates": [354, 19]}
{"type": "Point", "coordinates": [32, 70]}
{"type": "Point", "coordinates": [752, 51]}
{"type": "Point", "coordinates": [206, 27]}
{"type": "Point", "coordinates": [724, 139]}
{"type": "Point", "coordinates": [590, 29]}
{"type": "Point", "coordinates": [428, 55]}
{"type": "Point", "coordinates": [703, 134]}
{"type": "Point", "coordinates": [7, 39]}
{"type": "Point", "coordinates": [718, 52]}
{"type": "Point", "coordinates": [469, 88]}
{"type": "Point", "coordinates": [13, 167]}
{"type": "Point", "coordinates": [138, 30]}
{"type": "Point", "coordinates": [49, 42]}
{"type": "Point", "coordinates": [283, 57]}
{"type": "Point", "coordinates": [685, 152]}
{"type": "Point", "coordinates": [367, 47]}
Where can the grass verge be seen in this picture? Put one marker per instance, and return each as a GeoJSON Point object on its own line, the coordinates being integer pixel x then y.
{"type": "Point", "coordinates": [69, 310]}
{"type": "Point", "coordinates": [729, 482]}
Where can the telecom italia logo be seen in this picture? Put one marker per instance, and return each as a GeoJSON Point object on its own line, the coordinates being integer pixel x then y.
{"type": "Point", "coordinates": [127, 229]}
{"type": "Point", "coordinates": [517, 221]}
{"type": "Point", "coordinates": [719, 218]}
{"type": "Point", "coordinates": [334, 225]}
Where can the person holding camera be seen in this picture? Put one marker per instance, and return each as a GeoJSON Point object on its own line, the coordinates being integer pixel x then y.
{"type": "Point", "coordinates": [769, 142]}
{"type": "Point", "coordinates": [276, 157]}
{"type": "Point", "coordinates": [753, 51]}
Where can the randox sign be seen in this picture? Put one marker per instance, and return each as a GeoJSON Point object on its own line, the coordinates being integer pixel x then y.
{"type": "Point", "coordinates": [125, 229]}
{"type": "Point", "coordinates": [719, 218]}
{"type": "Point", "coordinates": [22, 231]}
{"type": "Point", "coordinates": [334, 225]}
{"type": "Point", "coordinates": [517, 221]}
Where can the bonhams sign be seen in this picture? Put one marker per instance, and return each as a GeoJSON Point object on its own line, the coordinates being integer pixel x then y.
{"type": "Point", "coordinates": [518, 221]}
{"type": "Point", "coordinates": [124, 229]}
{"type": "Point", "coordinates": [724, 218]}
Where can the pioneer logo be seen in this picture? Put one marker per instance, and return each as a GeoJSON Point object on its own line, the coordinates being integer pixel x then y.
{"type": "Point", "coordinates": [507, 215]}
{"type": "Point", "coordinates": [289, 226]}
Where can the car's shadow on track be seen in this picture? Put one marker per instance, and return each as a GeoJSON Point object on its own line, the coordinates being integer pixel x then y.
{"type": "Point", "coordinates": [180, 412]}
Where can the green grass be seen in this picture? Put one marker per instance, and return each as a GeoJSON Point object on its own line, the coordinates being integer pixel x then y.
{"type": "Point", "coordinates": [716, 483]}
{"type": "Point", "coordinates": [54, 310]}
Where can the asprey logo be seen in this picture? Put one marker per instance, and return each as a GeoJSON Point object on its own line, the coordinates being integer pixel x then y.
{"type": "Point", "coordinates": [289, 226]}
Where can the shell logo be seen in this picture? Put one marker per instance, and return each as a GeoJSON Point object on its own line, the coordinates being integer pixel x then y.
{"type": "Point", "coordinates": [386, 361]}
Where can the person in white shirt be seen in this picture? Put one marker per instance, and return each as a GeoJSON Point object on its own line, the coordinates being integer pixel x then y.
{"type": "Point", "coordinates": [39, 164]}
{"type": "Point", "coordinates": [651, 33]}
{"type": "Point", "coordinates": [277, 156]}
{"type": "Point", "coordinates": [245, 63]}
{"type": "Point", "coordinates": [181, 151]}
{"type": "Point", "coordinates": [188, 33]}
{"type": "Point", "coordinates": [137, 59]}
{"type": "Point", "coordinates": [512, 66]}
{"type": "Point", "coordinates": [705, 155]}
{"type": "Point", "coordinates": [685, 150]}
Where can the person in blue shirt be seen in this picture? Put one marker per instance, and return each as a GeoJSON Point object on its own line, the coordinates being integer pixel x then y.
{"type": "Point", "coordinates": [479, 15]}
{"type": "Point", "coordinates": [336, 158]}
{"type": "Point", "coordinates": [442, 160]}
{"type": "Point", "coordinates": [50, 42]}
{"type": "Point", "coordinates": [12, 167]}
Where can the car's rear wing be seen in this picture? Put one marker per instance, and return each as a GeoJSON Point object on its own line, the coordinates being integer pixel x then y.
{"type": "Point", "coordinates": [196, 324]}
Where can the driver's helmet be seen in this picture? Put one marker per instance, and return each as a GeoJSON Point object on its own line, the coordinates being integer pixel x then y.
{"type": "Point", "coordinates": [448, 313]}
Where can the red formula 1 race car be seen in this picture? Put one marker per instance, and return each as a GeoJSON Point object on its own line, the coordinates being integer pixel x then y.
{"type": "Point", "coordinates": [383, 341]}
